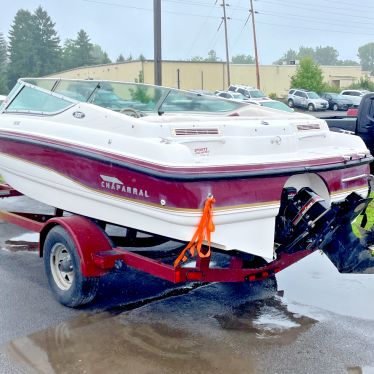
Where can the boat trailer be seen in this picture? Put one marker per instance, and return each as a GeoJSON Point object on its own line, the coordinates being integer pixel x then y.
{"type": "Point", "coordinates": [77, 251]}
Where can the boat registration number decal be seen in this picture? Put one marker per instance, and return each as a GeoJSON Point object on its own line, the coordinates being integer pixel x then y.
{"type": "Point", "coordinates": [112, 183]}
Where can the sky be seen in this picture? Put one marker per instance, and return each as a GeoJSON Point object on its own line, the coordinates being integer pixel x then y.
{"type": "Point", "coordinates": [190, 27]}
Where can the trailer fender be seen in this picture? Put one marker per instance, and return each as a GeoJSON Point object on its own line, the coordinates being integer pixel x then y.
{"type": "Point", "coordinates": [87, 237]}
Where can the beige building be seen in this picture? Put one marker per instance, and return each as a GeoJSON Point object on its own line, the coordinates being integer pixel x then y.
{"type": "Point", "coordinates": [211, 76]}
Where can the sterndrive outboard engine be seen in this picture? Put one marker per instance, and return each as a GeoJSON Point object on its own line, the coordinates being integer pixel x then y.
{"type": "Point", "coordinates": [306, 221]}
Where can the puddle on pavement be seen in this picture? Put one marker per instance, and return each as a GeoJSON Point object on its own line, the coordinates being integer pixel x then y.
{"type": "Point", "coordinates": [26, 242]}
{"type": "Point", "coordinates": [267, 319]}
{"type": "Point", "coordinates": [140, 342]}
{"type": "Point", "coordinates": [320, 285]}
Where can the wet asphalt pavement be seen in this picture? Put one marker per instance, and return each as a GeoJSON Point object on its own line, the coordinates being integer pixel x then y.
{"type": "Point", "coordinates": [311, 319]}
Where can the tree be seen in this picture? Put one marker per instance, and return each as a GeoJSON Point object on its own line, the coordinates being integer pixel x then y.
{"type": "Point", "coordinates": [347, 63]}
{"type": "Point", "coordinates": [120, 58]}
{"type": "Point", "coordinates": [3, 54]}
{"type": "Point", "coordinates": [23, 59]}
{"type": "Point", "coordinates": [33, 45]}
{"type": "Point", "coordinates": [3, 86]}
{"type": "Point", "coordinates": [106, 59]}
{"type": "Point", "coordinates": [196, 58]}
{"type": "Point", "coordinates": [363, 84]}
{"type": "Point", "coordinates": [100, 57]}
{"type": "Point", "coordinates": [46, 43]}
{"type": "Point", "coordinates": [82, 50]}
{"type": "Point", "coordinates": [212, 56]}
{"type": "Point", "coordinates": [366, 56]}
{"type": "Point", "coordinates": [308, 75]}
{"type": "Point", "coordinates": [130, 58]}
{"type": "Point", "coordinates": [326, 55]}
{"type": "Point", "coordinates": [97, 54]}
{"type": "Point", "coordinates": [290, 55]}
{"type": "Point", "coordinates": [141, 57]}
{"type": "Point", "coordinates": [68, 51]}
{"type": "Point", "coordinates": [305, 52]}
{"type": "Point", "coordinates": [243, 59]}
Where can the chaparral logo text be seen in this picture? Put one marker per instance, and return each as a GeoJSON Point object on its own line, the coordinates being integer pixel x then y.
{"type": "Point", "coordinates": [111, 183]}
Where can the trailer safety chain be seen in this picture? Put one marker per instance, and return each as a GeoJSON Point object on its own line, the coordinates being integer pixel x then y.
{"type": "Point", "coordinates": [203, 231]}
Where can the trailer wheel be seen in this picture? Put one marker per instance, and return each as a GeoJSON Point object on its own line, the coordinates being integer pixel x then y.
{"type": "Point", "coordinates": [63, 270]}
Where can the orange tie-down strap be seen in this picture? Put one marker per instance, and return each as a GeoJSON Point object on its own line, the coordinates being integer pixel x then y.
{"type": "Point", "coordinates": [203, 231]}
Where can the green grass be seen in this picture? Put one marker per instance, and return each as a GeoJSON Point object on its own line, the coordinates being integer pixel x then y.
{"type": "Point", "coordinates": [370, 214]}
{"type": "Point", "coordinates": [1, 179]}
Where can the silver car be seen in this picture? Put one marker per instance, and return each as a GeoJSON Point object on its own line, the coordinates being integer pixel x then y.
{"type": "Point", "coordinates": [306, 99]}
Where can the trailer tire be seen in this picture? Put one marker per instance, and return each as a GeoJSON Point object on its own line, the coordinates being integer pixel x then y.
{"type": "Point", "coordinates": [70, 288]}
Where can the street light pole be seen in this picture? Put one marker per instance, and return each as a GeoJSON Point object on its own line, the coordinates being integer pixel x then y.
{"type": "Point", "coordinates": [157, 42]}
{"type": "Point", "coordinates": [255, 42]}
{"type": "Point", "coordinates": [227, 43]}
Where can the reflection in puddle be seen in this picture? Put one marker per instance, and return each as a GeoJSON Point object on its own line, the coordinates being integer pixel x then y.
{"type": "Point", "coordinates": [147, 340]}
{"type": "Point", "coordinates": [267, 318]}
{"type": "Point", "coordinates": [26, 242]}
{"type": "Point", "coordinates": [112, 346]}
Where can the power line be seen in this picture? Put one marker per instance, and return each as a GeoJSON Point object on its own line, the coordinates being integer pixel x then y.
{"type": "Point", "coordinates": [282, 2]}
{"type": "Point", "coordinates": [314, 18]}
{"type": "Point", "coordinates": [309, 28]}
{"type": "Point", "coordinates": [246, 10]}
{"type": "Point", "coordinates": [311, 20]}
{"type": "Point", "coordinates": [314, 10]}
{"type": "Point", "coordinates": [236, 19]}
{"type": "Point", "coordinates": [151, 10]}
{"type": "Point", "coordinates": [339, 2]}
{"type": "Point", "coordinates": [197, 37]}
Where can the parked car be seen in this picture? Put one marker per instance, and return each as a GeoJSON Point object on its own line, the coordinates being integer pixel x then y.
{"type": "Point", "coordinates": [305, 99]}
{"type": "Point", "coordinates": [248, 91]}
{"type": "Point", "coordinates": [108, 99]}
{"type": "Point", "coordinates": [203, 92]}
{"type": "Point", "coordinates": [235, 96]}
{"type": "Point", "coordinates": [336, 101]}
{"type": "Point", "coordinates": [275, 104]}
{"type": "Point", "coordinates": [354, 95]}
{"type": "Point", "coordinates": [361, 124]}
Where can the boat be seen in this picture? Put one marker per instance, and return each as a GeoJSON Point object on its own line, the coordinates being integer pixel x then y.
{"type": "Point", "coordinates": [148, 158]}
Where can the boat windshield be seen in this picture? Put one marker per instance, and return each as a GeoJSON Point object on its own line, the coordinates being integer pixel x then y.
{"type": "Point", "coordinates": [141, 97]}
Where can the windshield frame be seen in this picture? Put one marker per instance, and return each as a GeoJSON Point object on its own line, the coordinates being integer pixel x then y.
{"type": "Point", "coordinates": [163, 97]}
{"type": "Point", "coordinates": [22, 85]}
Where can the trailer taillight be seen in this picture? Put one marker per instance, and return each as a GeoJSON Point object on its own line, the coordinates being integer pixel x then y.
{"type": "Point", "coordinates": [262, 275]}
{"type": "Point", "coordinates": [193, 275]}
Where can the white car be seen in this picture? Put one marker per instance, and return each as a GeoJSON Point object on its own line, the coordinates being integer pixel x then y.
{"type": "Point", "coordinates": [235, 96]}
{"type": "Point", "coordinates": [354, 95]}
{"type": "Point", "coordinates": [248, 91]}
{"type": "Point", "coordinates": [273, 104]}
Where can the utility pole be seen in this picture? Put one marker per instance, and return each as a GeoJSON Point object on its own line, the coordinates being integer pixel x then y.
{"type": "Point", "coordinates": [254, 36]}
{"type": "Point", "coordinates": [157, 42]}
{"type": "Point", "coordinates": [227, 43]}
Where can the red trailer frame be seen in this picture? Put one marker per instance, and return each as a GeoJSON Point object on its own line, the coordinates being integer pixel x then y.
{"type": "Point", "coordinates": [98, 255]}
